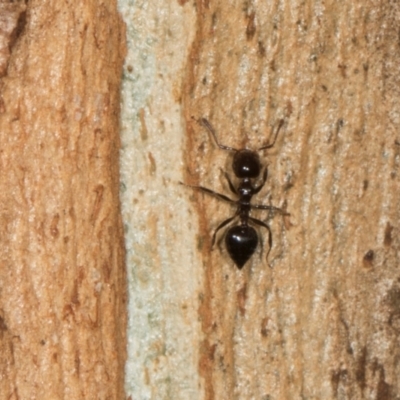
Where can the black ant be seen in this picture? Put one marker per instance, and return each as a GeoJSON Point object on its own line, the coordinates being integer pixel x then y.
{"type": "Point", "coordinates": [242, 240]}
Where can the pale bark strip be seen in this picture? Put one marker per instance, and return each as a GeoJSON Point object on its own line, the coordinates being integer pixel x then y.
{"type": "Point", "coordinates": [164, 268]}
{"type": "Point", "coordinates": [324, 323]}
{"type": "Point", "coordinates": [62, 275]}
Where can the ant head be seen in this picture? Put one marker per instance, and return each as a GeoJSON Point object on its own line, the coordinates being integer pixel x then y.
{"type": "Point", "coordinates": [246, 164]}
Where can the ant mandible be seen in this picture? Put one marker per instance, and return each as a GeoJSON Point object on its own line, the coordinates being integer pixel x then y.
{"type": "Point", "coordinates": [241, 240]}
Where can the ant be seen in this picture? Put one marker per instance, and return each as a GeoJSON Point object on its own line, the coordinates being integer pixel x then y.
{"type": "Point", "coordinates": [241, 240]}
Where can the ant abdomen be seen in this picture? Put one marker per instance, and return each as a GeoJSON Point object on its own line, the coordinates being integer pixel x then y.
{"type": "Point", "coordinates": [241, 242]}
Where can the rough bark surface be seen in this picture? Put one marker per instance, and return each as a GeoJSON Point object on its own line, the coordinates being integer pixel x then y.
{"type": "Point", "coordinates": [62, 275]}
{"type": "Point", "coordinates": [324, 322]}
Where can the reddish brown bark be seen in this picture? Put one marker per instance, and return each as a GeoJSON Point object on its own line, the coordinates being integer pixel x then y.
{"type": "Point", "coordinates": [62, 275]}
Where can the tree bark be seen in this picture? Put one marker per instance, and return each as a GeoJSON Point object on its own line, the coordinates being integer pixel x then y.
{"type": "Point", "coordinates": [323, 322]}
{"type": "Point", "coordinates": [62, 274]}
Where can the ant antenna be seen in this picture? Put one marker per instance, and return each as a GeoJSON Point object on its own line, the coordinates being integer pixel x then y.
{"type": "Point", "coordinates": [268, 146]}
{"type": "Point", "coordinates": [208, 126]}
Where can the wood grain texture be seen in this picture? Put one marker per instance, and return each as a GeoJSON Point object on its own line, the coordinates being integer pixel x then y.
{"type": "Point", "coordinates": [62, 275]}
{"type": "Point", "coordinates": [324, 322]}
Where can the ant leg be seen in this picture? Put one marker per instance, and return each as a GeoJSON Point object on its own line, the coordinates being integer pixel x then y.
{"type": "Point", "coordinates": [260, 240]}
{"type": "Point", "coordinates": [209, 191]}
{"type": "Point", "coordinates": [268, 146]}
{"type": "Point", "coordinates": [264, 179]}
{"type": "Point", "coordinates": [231, 186]}
{"type": "Point", "coordinates": [209, 127]}
{"type": "Point", "coordinates": [271, 208]}
{"type": "Point", "coordinates": [221, 225]}
{"type": "Point", "coordinates": [263, 224]}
